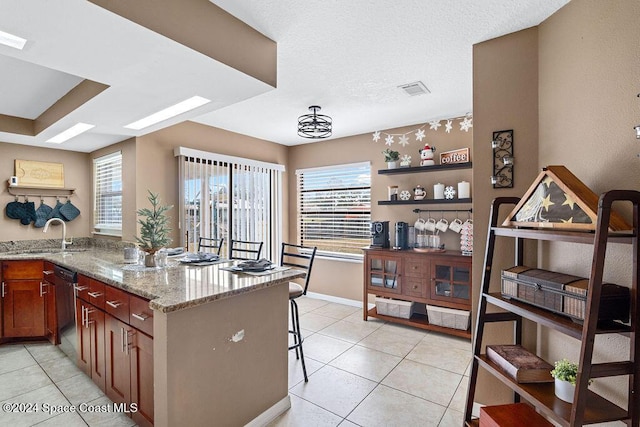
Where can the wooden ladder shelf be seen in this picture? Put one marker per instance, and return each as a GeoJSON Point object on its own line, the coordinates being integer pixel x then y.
{"type": "Point", "coordinates": [588, 407]}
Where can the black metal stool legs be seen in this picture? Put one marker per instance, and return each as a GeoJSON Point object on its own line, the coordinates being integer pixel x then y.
{"type": "Point", "coordinates": [297, 337]}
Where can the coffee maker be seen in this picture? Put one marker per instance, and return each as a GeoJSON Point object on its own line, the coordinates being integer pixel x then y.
{"type": "Point", "coordinates": [402, 235]}
{"type": "Point", "coordinates": [380, 234]}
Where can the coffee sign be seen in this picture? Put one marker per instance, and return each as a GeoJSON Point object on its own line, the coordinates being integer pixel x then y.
{"type": "Point", "coordinates": [455, 156]}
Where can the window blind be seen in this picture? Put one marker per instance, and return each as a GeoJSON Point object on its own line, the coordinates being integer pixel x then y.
{"type": "Point", "coordinates": [231, 198]}
{"type": "Point", "coordinates": [107, 202]}
{"type": "Point", "coordinates": [334, 208]}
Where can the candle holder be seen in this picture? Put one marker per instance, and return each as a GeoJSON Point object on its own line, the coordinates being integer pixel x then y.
{"type": "Point", "coordinates": [502, 145]}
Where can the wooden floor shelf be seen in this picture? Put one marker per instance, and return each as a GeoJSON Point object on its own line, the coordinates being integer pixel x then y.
{"type": "Point", "coordinates": [587, 407]}
{"type": "Point", "coordinates": [541, 395]}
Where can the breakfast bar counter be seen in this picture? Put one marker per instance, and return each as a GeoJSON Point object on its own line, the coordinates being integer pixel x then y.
{"type": "Point", "coordinates": [220, 338]}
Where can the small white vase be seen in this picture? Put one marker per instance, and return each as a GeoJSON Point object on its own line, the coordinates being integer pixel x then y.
{"type": "Point", "coordinates": [392, 165]}
{"type": "Point", "coordinates": [564, 390]}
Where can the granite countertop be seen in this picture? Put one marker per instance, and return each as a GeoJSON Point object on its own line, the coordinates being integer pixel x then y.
{"type": "Point", "coordinates": [170, 288]}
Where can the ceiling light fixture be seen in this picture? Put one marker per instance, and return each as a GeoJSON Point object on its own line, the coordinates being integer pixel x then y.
{"type": "Point", "coordinates": [314, 125]}
{"type": "Point", "coordinates": [11, 40]}
{"type": "Point", "coordinates": [169, 112]}
{"type": "Point", "coordinates": [73, 131]}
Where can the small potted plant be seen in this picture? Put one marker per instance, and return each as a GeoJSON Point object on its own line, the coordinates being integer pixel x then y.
{"type": "Point", "coordinates": [565, 373]}
{"type": "Point", "coordinates": [391, 157]}
{"type": "Point", "coordinates": [154, 229]}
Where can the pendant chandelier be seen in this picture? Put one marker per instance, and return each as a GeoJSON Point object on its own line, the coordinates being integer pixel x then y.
{"type": "Point", "coordinates": [314, 125]}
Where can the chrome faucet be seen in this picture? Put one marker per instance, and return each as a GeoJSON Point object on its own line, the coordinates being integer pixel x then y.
{"type": "Point", "coordinates": [64, 231]}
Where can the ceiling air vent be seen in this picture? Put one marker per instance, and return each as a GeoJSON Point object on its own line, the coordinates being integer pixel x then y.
{"type": "Point", "coordinates": [415, 88]}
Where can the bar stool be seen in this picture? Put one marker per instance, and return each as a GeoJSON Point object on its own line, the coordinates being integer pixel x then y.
{"type": "Point", "coordinates": [245, 250]}
{"type": "Point", "coordinates": [300, 257]}
{"type": "Point", "coordinates": [210, 243]}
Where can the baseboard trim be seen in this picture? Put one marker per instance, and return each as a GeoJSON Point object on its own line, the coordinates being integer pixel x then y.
{"type": "Point", "coordinates": [337, 300]}
{"type": "Point", "coordinates": [271, 414]}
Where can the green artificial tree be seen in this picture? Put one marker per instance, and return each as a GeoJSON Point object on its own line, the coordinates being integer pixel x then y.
{"type": "Point", "coordinates": [154, 228]}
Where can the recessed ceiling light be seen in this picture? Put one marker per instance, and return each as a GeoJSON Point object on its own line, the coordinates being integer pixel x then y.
{"type": "Point", "coordinates": [169, 112]}
{"type": "Point", "coordinates": [11, 40]}
{"type": "Point", "coordinates": [74, 130]}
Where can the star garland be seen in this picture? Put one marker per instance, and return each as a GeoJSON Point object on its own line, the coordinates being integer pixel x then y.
{"type": "Point", "coordinates": [465, 122]}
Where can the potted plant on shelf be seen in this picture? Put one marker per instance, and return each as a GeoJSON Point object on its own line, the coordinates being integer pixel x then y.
{"type": "Point", "coordinates": [391, 157]}
{"type": "Point", "coordinates": [154, 229]}
{"type": "Point", "coordinates": [565, 373]}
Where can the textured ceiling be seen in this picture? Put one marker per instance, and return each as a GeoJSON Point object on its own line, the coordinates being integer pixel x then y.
{"type": "Point", "coordinates": [346, 56]}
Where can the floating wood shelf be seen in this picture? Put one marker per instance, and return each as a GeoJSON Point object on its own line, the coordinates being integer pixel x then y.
{"type": "Point", "coordinates": [421, 169]}
{"type": "Point", "coordinates": [24, 191]}
{"type": "Point", "coordinates": [423, 202]}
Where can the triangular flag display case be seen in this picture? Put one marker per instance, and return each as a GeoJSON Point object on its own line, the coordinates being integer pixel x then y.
{"type": "Point", "coordinates": [559, 200]}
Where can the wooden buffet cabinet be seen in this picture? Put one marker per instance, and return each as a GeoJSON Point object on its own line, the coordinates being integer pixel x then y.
{"type": "Point", "coordinates": [436, 278]}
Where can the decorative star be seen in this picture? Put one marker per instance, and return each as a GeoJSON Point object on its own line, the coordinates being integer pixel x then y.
{"type": "Point", "coordinates": [568, 200]}
{"type": "Point", "coordinates": [466, 124]}
{"type": "Point", "coordinates": [568, 221]}
{"type": "Point", "coordinates": [388, 140]}
{"type": "Point", "coordinates": [547, 181]}
{"type": "Point", "coordinates": [376, 136]}
{"type": "Point", "coordinates": [448, 126]}
{"type": "Point", "coordinates": [546, 202]}
{"type": "Point", "coordinates": [420, 134]}
{"type": "Point", "coordinates": [435, 124]}
{"type": "Point", "coordinates": [404, 141]}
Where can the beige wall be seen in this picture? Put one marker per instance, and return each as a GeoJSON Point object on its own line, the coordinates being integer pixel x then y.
{"type": "Point", "coordinates": [76, 173]}
{"type": "Point", "coordinates": [346, 277]}
{"type": "Point", "coordinates": [157, 168]}
{"type": "Point", "coordinates": [505, 96]}
{"type": "Point", "coordinates": [589, 66]}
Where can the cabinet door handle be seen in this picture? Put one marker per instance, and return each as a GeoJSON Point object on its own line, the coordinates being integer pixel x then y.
{"type": "Point", "coordinates": [94, 294]}
{"type": "Point", "coordinates": [81, 315]}
{"type": "Point", "coordinates": [89, 322]}
{"type": "Point", "coordinates": [41, 291]}
{"type": "Point", "coordinates": [114, 304]}
{"type": "Point", "coordinates": [80, 288]}
{"type": "Point", "coordinates": [2, 289]}
{"type": "Point", "coordinates": [47, 272]}
{"type": "Point", "coordinates": [140, 316]}
{"type": "Point", "coordinates": [125, 340]}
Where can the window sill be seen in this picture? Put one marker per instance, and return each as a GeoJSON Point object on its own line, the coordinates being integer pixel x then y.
{"type": "Point", "coordinates": [349, 260]}
{"type": "Point", "coordinates": [103, 233]}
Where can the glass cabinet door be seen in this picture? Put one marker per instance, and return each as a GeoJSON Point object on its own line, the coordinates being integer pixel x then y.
{"type": "Point", "coordinates": [384, 274]}
{"type": "Point", "coordinates": [451, 282]}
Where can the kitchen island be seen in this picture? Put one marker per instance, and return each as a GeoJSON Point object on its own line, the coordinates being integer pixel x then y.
{"type": "Point", "coordinates": [219, 338]}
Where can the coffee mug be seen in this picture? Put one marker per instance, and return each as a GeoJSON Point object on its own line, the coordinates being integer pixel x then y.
{"type": "Point", "coordinates": [430, 225]}
{"type": "Point", "coordinates": [442, 225]}
{"type": "Point", "coordinates": [456, 225]}
{"type": "Point", "coordinates": [419, 224]}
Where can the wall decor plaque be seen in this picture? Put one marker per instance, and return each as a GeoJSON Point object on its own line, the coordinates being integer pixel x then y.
{"type": "Point", "coordinates": [39, 174]}
{"type": "Point", "coordinates": [460, 155]}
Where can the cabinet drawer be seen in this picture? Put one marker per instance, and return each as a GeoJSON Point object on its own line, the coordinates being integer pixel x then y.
{"type": "Point", "coordinates": [415, 287]}
{"type": "Point", "coordinates": [83, 287]}
{"type": "Point", "coordinates": [12, 270]}
{"type": "Point", "coordinates": [96, 293]}
{"type": "Point", "coordinates": [117, 303]}
{"type": "Point", "coordinates": [415, 267]}
{"type": "Point", "coordinates": [140, 315]}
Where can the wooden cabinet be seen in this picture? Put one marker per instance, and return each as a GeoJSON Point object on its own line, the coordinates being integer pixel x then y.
{"type": "Point", "coordinates": [91, 342]}
{"type": "Point", "coordinates": [23, 302]}
{"type": "Point", "coordinates": [114, 348]}
{"type": "Point", "coordinates": [588, 407]}
{"type": "Point", "coordinates": [434, 278]}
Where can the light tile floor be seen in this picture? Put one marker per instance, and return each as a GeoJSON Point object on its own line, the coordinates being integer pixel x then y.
{"type": "Point", "coordinates": [361, 373]}
{"type": "Point", "coordinates": [374, 373]}
{"type": "Point", "coordinates": [40, 373]}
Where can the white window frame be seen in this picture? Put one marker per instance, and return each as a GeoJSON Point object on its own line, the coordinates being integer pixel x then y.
{"type": "Point", "coordinates": [114, 163]}
{"type": "Point", "coordinates": [363, 210]}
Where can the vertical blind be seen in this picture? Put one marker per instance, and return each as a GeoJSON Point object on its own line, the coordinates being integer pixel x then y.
{"type": "Point", "coordinates": [231, 198]}
{"type": "Point", "coordinates": [334, 208]}
{"type": "Point", "coordinates": [107, 202]}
